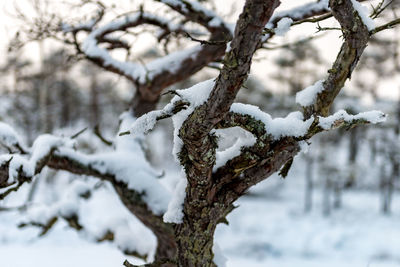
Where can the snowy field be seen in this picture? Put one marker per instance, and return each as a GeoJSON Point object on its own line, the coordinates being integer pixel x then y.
{"type": "Point", "coordinates": [268, 229]}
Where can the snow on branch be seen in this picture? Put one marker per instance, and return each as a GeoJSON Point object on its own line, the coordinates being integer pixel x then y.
{"type": "Point", "coordinates": [78, 206]}
{"type": "Point", "coordinates": [88, 25]}
{"type": "Point", "coordinates": [298, 13]}
{"type": "Point", "coordinates": [364, 15]}
{"type": "Point", "coordinates": [131, 70]}
{"type": "Point", "coordinates": [127, 165]}
{"type": "Point", "coordinates": [283, 26]}
{"type": "Point", "coordinates": [307, 96]}
{"type": "Point", "coordinates": [292, 125]}
{"type": "Point", "coordinates": [343, 119]}
{"type": "Point", "coordinates": [196, 12]}
{"type": "Point", "coordinates": [317, 100]}
{"type": "Point", "coordinates": [309, 12]}
{"type": "Point", "coordinates": [10, 139]}
{"type": "Point", "coordinates": [180, 107]}
{"type": "Point", "coordinates": [230, 143]}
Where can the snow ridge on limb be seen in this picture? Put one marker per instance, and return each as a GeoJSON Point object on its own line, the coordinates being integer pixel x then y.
{"type": "Point", "coordinates": [295, 14]}
{"type": "Point", "coordinates": [309, 12]}
{"type": "Point", "coordinates": [293, 125]}
{"type": "Point", "coordinates": [126, 168]}
{"type": "Point", "coordinates": [307, 96]}
{"type": "Point", "coordinates": [283, 26]}
{"type": "Point", "coordinates": [196, 12]}
{"type": "Point", "coordinates": [363, 13]}
{"type": "Point", "coordinates": [151, 78]}
{"type": "Point", "coordinates": [135, 71]}
{"type": "Point", "coordinates": [342, 118]}
{"type": "Point", "coordinates": [10, 139]}
{"type": "Point", "coordinates": [116, 166]}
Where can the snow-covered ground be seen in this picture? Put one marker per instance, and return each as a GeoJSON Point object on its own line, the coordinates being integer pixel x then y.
{"type": "Point", "coordinates": [275, 232]}
{"type": "Point", "coordinates": [268, 228]}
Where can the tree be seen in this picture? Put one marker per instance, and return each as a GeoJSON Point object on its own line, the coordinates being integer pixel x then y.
{"type": "Point", "coordinates": [202, 115]}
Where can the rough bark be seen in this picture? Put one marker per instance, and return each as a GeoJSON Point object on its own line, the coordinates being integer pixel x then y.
{"type": "Point", "coordinates": [201, 215]}
{"type": "Point", "coordinates": [356, 37]}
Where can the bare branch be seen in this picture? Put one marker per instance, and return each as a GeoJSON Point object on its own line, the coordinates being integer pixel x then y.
{"type": "Point", "coordinates": [386, 26]}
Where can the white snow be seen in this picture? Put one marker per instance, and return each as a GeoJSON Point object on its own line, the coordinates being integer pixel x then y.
{"type": "Point", "coordinates": [145, 123]}
{"type": "Point", "coordinates": [196, 96]}
{"type": "Point", "coordinates": [219, 258]}
{"type": "Point", "coordinates": [283, 26]}
{"type": "Point", "coordinates": [363, 13]}
{"type": "Point", "coordinates": [307, 96]}
{"type": "Point", "coordinates": [129, 165]}
{"type": "Point", "coordinates": [41, 148]}
{"type": "Point", "coordinates": [300, 11]}
{"type": "Point", "coordinates": [291, 125]}
{"type": "Point", "coordinates": [45, 143]}
{"type": "Point", "coordinates": [215, 22]}
{"type": "Point", "coordinates": [174, 212]}
{"type": "Point", "coordinates": [171, 62]}
{"type": "Point", "coordinates": [8, 136]}
{"type": "Point", "coordinates": [237, 138]}
{"type": "Point", "coordinates": [340, 116]}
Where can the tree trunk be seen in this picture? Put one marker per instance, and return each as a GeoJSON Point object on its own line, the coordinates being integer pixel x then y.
{"type": "Point", "coordinates": [309, 185]}
{"type": "Point", "coordinates": [141, 104]}
{"type": "Point", "coordinates": [195, 235]}
{"type": "Point", "coordinates": [326, 205]}
{"type": "Point", "coordinates": [337, 201]}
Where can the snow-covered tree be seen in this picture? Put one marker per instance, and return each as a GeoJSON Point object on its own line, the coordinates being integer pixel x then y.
{"type": "Point", "coordinates": [224, 148]}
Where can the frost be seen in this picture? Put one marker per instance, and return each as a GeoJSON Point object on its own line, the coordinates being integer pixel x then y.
{"type": "Point", "coordinates": [291, 125]}
{"type": "Point", "coordinates": [363, 13]}
{"type": "Point", "coordinates": [283, 26]}
{"type": "Point", "coordinates": [174, 213]}
{"type": "Point", "coordinates": [330, 122]}
{"type": "Point", "coordinates": [307, 96]}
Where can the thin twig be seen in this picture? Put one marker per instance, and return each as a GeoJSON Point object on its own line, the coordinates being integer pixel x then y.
{"type": "Point", "coordinates": [386, 26]}
{"type": "Point", "coordinates": [204, 42]}
{"type": "Point", "coordinates": [97, 132]}
{"type": "Point", "coordinates": [314, 19]}
{"type": "Point", "coordinates": [79, 133]}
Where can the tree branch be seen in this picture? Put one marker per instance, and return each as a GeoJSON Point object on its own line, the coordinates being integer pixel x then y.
{"type": "Point", "coordinates": [356, 37]}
